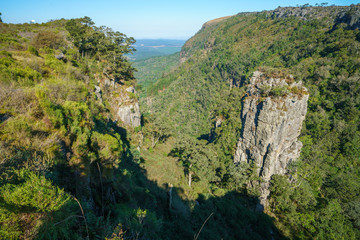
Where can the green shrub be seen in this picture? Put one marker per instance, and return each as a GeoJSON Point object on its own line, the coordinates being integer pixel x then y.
{"type": "Point", "coordinates": [33, 50]}
{"type": "Point", "coordinates": [6, 61]}
{"type": "Point", "coordinates": [4, 53]}
{"type": "Point", "coordinates": [17, 128]}
{"type": "Point", "coordinates": [34, 192]}
{"type": "Point", "coordinates": [278, 91]}
{"type": "Point", "coordinates": [132, 95]}
{"type": "Point", "coordinates": [30, 205]}
{"type": "Point", "coordinates": [78, 115]}
{"type": "Point", "coordinates": [109, 148]}
{"type": "Point", "coordinates": [55, 64]}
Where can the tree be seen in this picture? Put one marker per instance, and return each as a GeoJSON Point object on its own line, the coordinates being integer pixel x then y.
{"type": "Point", "coordinates": [102, 42]}
{"type": "Point", "coordinates": [198, 159]}
{"type": "Point", "coordinates": [157, 130]}
{"type": "Point", "coordinates": [82, 34]}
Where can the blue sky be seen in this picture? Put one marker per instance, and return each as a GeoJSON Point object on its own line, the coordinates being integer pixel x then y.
{"type": "Point", "coordinates": [143, 18]}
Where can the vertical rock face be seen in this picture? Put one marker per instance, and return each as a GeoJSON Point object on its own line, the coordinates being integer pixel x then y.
{"type": "Point", "coordinates": [272, 115]}
{"type": "Point", "coordinates": [127, 106]}
{"type": "Point", "coordinates": [123, 102]}
{"type": "Point", "coordinates": [130, 114]}
{"type": "Point", "coordinates": [129, 111]}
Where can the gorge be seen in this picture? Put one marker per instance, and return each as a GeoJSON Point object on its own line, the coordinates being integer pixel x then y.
{"type": "Point", "coordinates": [252, 131]}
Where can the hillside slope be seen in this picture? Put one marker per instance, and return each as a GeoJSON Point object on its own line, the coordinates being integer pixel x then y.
{"type": "Point", "coordinates": [202, 99]}
{"type": "Point", "coordinates": [60, 145]}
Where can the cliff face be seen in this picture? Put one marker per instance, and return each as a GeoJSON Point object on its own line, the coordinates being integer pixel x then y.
{"type": "Point", "coordinates": [127, 105]}
{"type": "Point", "coordinates": [123, 101]}
{"type": "Point", "coordinates": [272, 115]}
{"type": "Point", "coordinates": [349, 15]}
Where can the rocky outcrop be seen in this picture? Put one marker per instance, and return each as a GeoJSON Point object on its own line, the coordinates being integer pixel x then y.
{"type": "Point", "coordinates": [98, 93]}
{"type": "Point", "coordinates": [349, 15]}
{"type": "Point", "coordinates": [272, 115]}
{"type": "Point", "coordinates": [130, 114]}
{"type": "Point", "coordinates": [123, 102]}
{"type": "Point", "coordinates": [128, 108]}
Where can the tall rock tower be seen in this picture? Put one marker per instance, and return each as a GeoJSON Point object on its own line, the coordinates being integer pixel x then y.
{"type": "Point", "coordinates": [272, 115]}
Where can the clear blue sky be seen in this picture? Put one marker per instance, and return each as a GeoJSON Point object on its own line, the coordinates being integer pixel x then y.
{"type": "Point", "coordinates": [143, 18]}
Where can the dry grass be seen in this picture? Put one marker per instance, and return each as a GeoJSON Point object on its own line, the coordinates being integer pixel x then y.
{"type": "Point", "coordinates": [215, 21]}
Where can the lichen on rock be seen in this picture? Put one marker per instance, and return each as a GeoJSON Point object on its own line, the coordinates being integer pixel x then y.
{"type": "Point", "coordinates": [271, 125]}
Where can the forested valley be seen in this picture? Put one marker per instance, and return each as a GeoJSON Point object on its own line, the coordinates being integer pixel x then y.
{"type": "Point", "coordinates": [94, 146]}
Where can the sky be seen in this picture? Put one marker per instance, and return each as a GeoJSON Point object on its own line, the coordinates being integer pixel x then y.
{"type": "Point", "coordinates": [179, 19]}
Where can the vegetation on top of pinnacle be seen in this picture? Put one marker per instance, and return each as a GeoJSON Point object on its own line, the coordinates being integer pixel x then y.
{"type": "Point", "coordinates": [318, 46]}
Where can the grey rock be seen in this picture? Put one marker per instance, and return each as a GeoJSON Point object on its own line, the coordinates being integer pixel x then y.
{"type": "Point", "coordinates": [350, 15]}
{"type": "Point", "coordinates": [98, 93]}
{"type": "Point", "coordinates": [130, 114]}
{"type": "Point", "coordinates": [270, 128]}
{"type": "Point", "coordinates": [131, 89]}
{"type": "Point", "coordinates": [60, 56]}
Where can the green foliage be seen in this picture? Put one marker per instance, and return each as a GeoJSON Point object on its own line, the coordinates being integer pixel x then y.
{"type": "Point", "coordinates": [33, 50]}
{"type": "Point", "coordinates": [25, 198]}
{"type": "Point", "coordinates": [155, 130]}
{"type": "Point", "coordinates": [108, 148]}
{"type": "Point", "coordinates": [278, 91]}
{"type": "Point", "coordinates": [319, 51]}
{"type": "Point", "coordinates": [103, 43]}
{"type": "Point", "coordinates": [35, 192]}
{"type": "Point", "coordinates": [197, 159]}
{"type": "Point", "coordinates": [12, 71]}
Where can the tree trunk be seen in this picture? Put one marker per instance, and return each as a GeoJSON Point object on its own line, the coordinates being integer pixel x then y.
{"type": "Point", "coordinates": [170, 196]}
{"type": "Point", "coordinates": [154, 142]}
{"type": "Point", "coordinates": [190, 175]}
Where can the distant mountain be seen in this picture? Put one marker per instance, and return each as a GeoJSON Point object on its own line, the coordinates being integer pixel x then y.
{"type": "Point", "coordinates": [146, 48]}
{"type": "Point", "coordinates": [159, 42]}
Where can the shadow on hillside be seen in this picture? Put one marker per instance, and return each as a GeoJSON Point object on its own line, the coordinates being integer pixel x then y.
{"type": "Point", "coordinates": [119, 198]}
{"type": "Point", "coordinates": [233, 215]}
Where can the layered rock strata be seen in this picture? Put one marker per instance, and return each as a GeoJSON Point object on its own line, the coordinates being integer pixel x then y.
{"type": "Point", "coordinates": [272, 115]}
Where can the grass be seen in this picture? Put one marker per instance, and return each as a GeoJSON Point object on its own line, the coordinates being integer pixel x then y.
{"type": "Point", "coordinates": [162, 168]}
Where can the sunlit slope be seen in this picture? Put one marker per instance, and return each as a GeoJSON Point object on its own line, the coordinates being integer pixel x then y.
{"type": "Point", "coordinates": [221, 57]}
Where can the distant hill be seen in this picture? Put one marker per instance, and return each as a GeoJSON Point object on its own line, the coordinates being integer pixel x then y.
{"type": "Point", "coordinates": [151, 69]}
{"type": "Point", "coordinates": [146, 48]}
